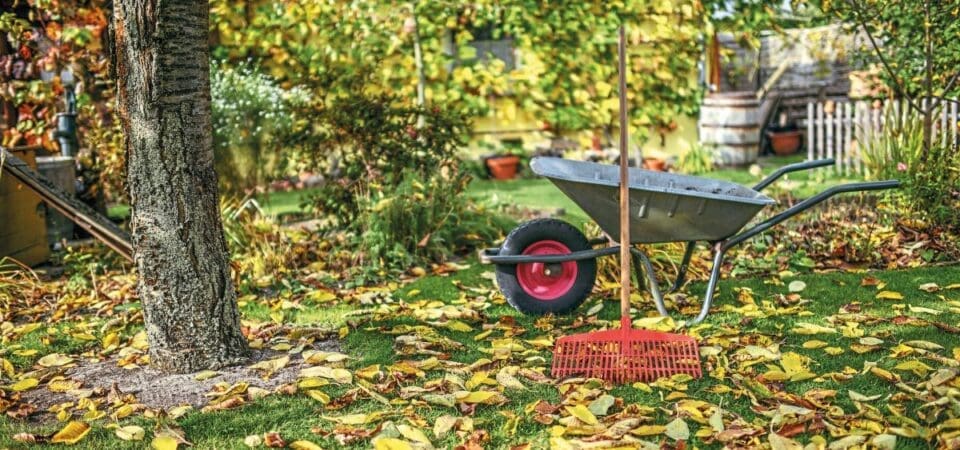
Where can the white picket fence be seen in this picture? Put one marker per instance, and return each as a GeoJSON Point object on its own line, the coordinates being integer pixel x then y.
{"type": "Point", "coordinates": [839, 129]}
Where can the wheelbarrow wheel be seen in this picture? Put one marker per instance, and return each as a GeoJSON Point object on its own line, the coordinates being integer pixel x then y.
{"type": "Point", "coordinates": [541, 288]}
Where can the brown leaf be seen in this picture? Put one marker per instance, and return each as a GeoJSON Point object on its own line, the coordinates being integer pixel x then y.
{"type": "Point", "coordinates": [273, 440]}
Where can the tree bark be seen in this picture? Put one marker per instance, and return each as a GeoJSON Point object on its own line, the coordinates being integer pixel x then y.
{"type": "Point", "coordinates": [163, 74]}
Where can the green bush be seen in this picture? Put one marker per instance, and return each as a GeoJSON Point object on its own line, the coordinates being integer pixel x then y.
{"type": "Point", "coordinates": [257, 125]}
{"type": "Point", "coordinates": [373, 141]}
{"type": "Point", "coordinates": [930, 183]}
{"type": "Point", "coordinates": [422, 220]}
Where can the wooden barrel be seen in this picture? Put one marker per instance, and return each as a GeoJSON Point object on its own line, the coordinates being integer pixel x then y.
{"type": "Point", "coordinates": [730, 125]}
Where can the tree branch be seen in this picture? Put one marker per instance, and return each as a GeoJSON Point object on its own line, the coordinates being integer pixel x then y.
{"type": "Point", "coordinates": [858, 15]}
{"type": "Point", "coordinates": [946, 89]}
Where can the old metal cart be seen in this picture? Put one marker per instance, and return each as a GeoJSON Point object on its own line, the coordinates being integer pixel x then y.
{"type": "Point", "coordinates": [549, 266]}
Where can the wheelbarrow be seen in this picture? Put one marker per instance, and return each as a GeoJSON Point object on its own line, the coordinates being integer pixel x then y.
{"type": "Point", "coordinates": [549, 266]}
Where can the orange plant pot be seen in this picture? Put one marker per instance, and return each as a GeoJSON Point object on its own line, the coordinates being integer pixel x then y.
{"type": "Point", "coordinates": [655, 164]}
{"type": "Point", "coordinates": [503, 167]}
{"type": "Point", "coordinates": [784, 142]}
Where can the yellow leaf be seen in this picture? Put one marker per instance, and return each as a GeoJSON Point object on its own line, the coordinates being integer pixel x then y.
{"type": "Point", "coordinates": [810, 328]}
{"type": "Point", "coordinates": [658, 323]}
{"type": "Point", "coordinates": [391, 444]}
{"type": "Point", "coordinates": [71, 433]}
{"type": "Point", "coordinates": [130, 433]}
{"type": "Point", "coordinates": [272, 365]}
{"type": "Point", "coordinates": [413, 434]}
{"type": "Point", "coordinates": [164, 442]}
{"type": "Point", "coordinates": [179, 411]}
{"type": "Point", "coordinates": [24, 384]}
{"type": "Point", "coordinates": [304, 445]}
{"type": "Point", "coordinates": [583, 413]}
{"type": "Point", "coordinates": [205, 375]}
{"type": "Point", "coordinates": [122, 412]}
{"type": "Point", "coordinates": [109, 341]}
{"type": "Point", "coordinates": [508, 381]}
{"type": "Point", "coordinates": [6, 367]}
{"type": "Point", "coordinates": [60, 384]}
{"type": "Point", "coordinates": [54, 360]}
{"type": "Point", "coordinates": [918, 368]}
{"type": "Point", "coordinates": [834, 351]}
{"type": "Point", "coordinates": [485, 397]}
{"type": "Point", "coordinates": [319, 396]}
{"type": "Point", "coordinates": [339, 375]}
{"type": "Point", "coordinates": [889, 295]}
{"type": "Point", "coordinates": [457, 325]}
{"type": "Point", "coordinates": [778, 442]}
{"type": "Point", "coordinates": [443, 425]}
{"type": "Point", "coordinates": [811, 344]}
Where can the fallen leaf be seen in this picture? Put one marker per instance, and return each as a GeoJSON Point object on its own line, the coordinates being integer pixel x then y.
{"type": "Point", "coordinates": [581, 412]}
{"type": "Point", "coordinates": [164, 442]}
{"type": "Point", "coordinates": [796, 286]}
{"type": "Point", "coordinates": [54, 360]}
{"type": "Point", "coordinates": [889, 295]}
{"type": "Point", "coordinates": [778, 442]}
{"type": "Point", "coordinates": [24, 384]}
{"type": "Point", "coordinates": [71, 433]}
{"type": "Point", "coordinates": [677, 430]}
{"type": "Point", "coordinates": [304, 445]}
{"type": "Point", "coordinates": [130, 433]}
{"type": "Point", "coordinates": [601, 405]}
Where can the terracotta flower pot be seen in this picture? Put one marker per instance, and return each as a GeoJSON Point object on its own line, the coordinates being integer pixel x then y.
{"type": "Point", "coordinates": [655, 164]}
{"type": "Point", "coordinates": [784, 142]}
{"type": "Point", "coordinates": [503, 167]}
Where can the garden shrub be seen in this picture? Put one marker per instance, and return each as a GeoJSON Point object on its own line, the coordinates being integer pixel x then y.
{"type": "Point", "coordinates": [373, 141]}
{"type": "Point", "coordinates": [422, 219]}
{"type": "Point", "coordinates": [930, 182]}
{"type": "Point", "coordinates": [698, 160]}
{"type": "Point", "coordinates": [257, 125]}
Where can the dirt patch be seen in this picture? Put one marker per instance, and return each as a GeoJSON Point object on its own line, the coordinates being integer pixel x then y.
{"type": "Point", "coordinates": [157, 390]}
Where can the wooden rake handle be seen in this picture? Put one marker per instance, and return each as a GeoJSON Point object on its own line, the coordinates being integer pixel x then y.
{"type": "Point", "coordinates": [624, 187]}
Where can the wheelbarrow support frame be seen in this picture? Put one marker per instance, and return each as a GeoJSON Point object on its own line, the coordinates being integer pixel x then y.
{"type": "Point", "coordinates": [642, 261]}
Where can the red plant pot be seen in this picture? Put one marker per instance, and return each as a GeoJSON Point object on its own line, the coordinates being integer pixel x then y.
{"type": "Point", "coordinates": [503, 167]}
{"type": "Point", "coordinates": [784, 142]}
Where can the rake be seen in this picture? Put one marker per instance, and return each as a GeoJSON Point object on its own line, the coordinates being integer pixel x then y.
{"type": "Point", "coordinates": [623, 355]}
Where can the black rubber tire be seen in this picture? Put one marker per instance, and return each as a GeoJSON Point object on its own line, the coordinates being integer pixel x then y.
{"type": "Point", "coordinates": [537, 230]}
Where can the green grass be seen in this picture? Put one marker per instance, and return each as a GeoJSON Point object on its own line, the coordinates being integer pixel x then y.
{"type": "Point", "coordinates": [295, 416]}
{"type": "Point", "coordinates": [285, 202]}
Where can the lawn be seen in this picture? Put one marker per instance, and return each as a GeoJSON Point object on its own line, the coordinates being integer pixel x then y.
{"type": "Point", "coordinates": [858, 339]}
{"type": "Point", "coordinates": [849, 358]}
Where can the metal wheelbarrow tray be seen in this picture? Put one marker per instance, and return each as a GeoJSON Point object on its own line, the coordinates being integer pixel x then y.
{"type": "Point", "coordinates": [549, 266]}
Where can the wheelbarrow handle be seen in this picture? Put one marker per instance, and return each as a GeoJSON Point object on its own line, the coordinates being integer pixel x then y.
{"type": "Point", "coordinates": [806, 165]}
{"type": "Point", "coordinates": [807, 204]}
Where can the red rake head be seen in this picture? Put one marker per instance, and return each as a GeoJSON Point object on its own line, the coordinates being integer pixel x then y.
{"type": "Point", "coordinates": [625, 355]}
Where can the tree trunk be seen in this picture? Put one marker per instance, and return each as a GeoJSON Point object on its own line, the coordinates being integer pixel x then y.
{"type": "Point", "coordinates": [163, 75]}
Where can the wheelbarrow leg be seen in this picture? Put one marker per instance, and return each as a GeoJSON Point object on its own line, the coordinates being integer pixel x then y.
{"type": "Point", "coordinates": [721, 249]}
{"type": "Point", "coordinates": [682, 273]}
{"type": "Point", "coordinates": [651, 280]}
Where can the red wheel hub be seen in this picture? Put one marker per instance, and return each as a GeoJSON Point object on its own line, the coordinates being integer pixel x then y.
{"type": "Point", "coordinates": [547, 281]}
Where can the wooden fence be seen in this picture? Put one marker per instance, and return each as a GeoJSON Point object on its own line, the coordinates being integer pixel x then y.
{"type": "Point", "coordinates": [839, 129]}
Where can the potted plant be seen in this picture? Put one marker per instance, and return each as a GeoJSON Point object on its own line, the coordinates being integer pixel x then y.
{"type": "Point", "coordinates": [784, 136]}
{"type": "Point", "coordinates": [502, 167]}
